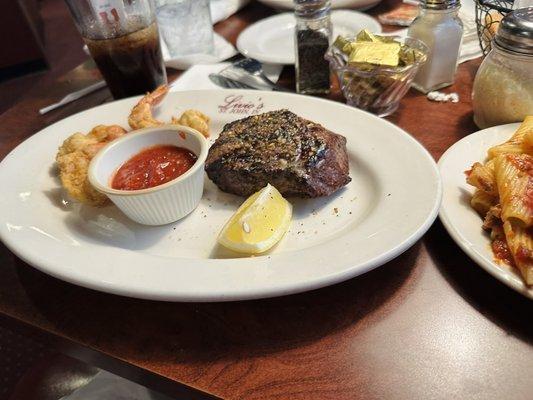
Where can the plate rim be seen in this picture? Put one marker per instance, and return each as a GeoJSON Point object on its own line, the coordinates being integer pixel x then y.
{"type": "Point", "coordinates": [272, 59]}
{"type": "Point", "coordinates": [288, 288]}
{"type": "Point", "coordinates": [457, 236]}
{"type": "Point", "coordinates": [287, 5]}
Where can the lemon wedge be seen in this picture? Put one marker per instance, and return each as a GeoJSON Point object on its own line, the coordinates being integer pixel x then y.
{"type": "Point", "coordinates": [258, 224]}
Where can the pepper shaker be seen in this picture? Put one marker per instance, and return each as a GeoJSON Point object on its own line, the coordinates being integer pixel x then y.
{"type": "Point", "coordinates": [312, 37]}
{"type": "Point", "coordinates": [441, 30]}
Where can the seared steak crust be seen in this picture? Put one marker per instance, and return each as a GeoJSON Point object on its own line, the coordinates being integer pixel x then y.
{"type": "Point", "coordinates": [299, 157]}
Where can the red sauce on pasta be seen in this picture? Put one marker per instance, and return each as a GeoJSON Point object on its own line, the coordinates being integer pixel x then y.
{"type": "Point", "coordinates": [523, 162]}
{"type": "Point", "coordinates": [501, 251]}
{"type": "Point", "coordinates": [528, 196]}
{"type": "Point", "coordinates": [523, 255]}
{"type": "Point", "coordinates": [153, 167]}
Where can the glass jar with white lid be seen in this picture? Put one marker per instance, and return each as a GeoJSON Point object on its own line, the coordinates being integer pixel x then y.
{"type": "Point", "coordinates": [503, 87]}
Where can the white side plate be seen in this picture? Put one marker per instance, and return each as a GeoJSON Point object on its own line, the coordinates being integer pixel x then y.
{"type": "Point", "coordinates": [271, 40]}
{"type": "Point", "coordinates": [460, 220]}
{"type": "Point", "coordinates": [358, 4]}
{"type": "Point", "coordinates": [391, 202]}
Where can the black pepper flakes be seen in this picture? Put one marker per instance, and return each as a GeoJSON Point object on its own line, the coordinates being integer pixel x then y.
{"type": "Point", "coordinates": [312, 72]}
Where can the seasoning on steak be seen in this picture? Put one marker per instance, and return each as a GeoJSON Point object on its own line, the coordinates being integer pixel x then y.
{"type": "Point", "coordinates": [299, 157]}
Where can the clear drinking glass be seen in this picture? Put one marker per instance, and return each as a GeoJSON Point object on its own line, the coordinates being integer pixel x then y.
{"type": "Point", "coordinates": [186, 26]}
{"type": "Point", "coordinates": [123, 39]}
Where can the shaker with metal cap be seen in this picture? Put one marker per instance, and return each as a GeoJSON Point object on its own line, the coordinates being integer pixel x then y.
{"type": "Point", "coordinates": [441, 30]}
{"type": "Point", "coordinates": [503, 87]}
{"type": "Point", "coordinates": [312, 37]}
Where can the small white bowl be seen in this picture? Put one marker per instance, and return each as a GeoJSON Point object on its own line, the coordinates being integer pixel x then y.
{"type": "Point", "coordinates": [161, 204]}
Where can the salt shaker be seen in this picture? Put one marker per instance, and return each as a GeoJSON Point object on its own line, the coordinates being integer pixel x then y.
{"type": "Point", "coordinates": [439, 27]}
{"type": "Point", "coordinates": [312, 37]}
{"type": "Point", "coordinates": [503, 87]}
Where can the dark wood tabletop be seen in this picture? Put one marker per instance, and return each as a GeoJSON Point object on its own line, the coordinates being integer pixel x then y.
{"type": "Point", "coordinates": [430, 324]}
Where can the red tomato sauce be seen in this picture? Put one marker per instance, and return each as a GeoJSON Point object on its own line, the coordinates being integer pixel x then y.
{"type": "Point", "coordinates": [502, 252]}
{"type": "Point", "coordinates": [153, 167]}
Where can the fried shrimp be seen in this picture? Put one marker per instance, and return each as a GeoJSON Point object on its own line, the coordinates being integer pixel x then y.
{"type": "Point", "coordinates": [194, 119]}
{"type": "Point", "coordinates": [73, 173]}
{"type": "Point", "coordinates": [141, 115]}
{"type": "Point", "coordinates": [74, 156]}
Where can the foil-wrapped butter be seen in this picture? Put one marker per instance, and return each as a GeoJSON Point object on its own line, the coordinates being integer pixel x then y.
{"type": "Point", "coordinates": [409, 55]}
{"type": "Point", "coordinates": [341, 43]}
{"type": "Point", "coordinates": [376, 50]}
{"type": "Point", "coordinates": [377, 53]}
{"type": "Point", "coordinates": [375, 71]}
{"type": "Point", "coordinates": [366, 36]}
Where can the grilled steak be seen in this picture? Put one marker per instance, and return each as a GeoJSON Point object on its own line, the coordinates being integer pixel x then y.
{"type": "Point", "coordinates": [299, 157]}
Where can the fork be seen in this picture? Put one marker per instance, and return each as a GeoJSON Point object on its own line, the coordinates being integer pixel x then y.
{"type": "Point", "coordinates": [228, 83]}
{"type": "Point", "coordinates": [250, 71]}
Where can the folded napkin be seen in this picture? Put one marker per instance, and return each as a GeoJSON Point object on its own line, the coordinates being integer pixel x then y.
{"type": "Point", "coordinates": [197, 77]}
{"type": "Point", "coordinates": [222, 9]}
{"type": "Point", "coordinates": [106, 386]}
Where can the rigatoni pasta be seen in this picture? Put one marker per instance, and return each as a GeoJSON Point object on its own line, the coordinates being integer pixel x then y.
{"type": "Point", "coordinates": [515, 144]}
{"type": "Point", "coordinates": [520, 244]}
{"type": "Point", "coordinates": [514, 178]}
{"type": "Point", "coordinates": [504, 198]}
{"type": "Point", "coordinates": [482, 201]}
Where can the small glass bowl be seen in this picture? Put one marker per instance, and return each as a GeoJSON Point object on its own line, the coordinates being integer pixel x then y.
{"type": "Point", "coordinates": [380, 89]}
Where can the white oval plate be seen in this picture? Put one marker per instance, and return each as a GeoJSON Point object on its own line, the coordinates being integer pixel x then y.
{"type": "Point", "coordinates": [289, 4]}
{"type": "Point", "coordinates": [460, 220]}
{"type": "Point", "coordinates": [392, 200]}
{"type": "Point", "coordinates": [271, 40]}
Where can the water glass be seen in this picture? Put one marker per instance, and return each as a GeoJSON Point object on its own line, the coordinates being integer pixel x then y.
{"type": "Point", "coordinates": [185, 26]}
{"type": "Point", "coordinates": [123, 39]}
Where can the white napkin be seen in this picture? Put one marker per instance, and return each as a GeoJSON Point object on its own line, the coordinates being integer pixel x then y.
{"type": "Point", "coordinates": [222, 9]}
{"type": "Point", "coordinates": [197, 77]}
{"type": "Point", "coordinates": [223, 51]}
{"type": "Point", "coordinates": [106, 386]}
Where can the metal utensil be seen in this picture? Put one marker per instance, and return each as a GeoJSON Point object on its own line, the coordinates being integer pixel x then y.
{"type": "Point", "coordinates": [255, 68]}
{"type": "Point", "coordinates": [69, 98]}
{"type": "Point", "coordinates": [228, 83]}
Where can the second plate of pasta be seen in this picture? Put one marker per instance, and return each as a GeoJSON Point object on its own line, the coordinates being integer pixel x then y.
{"type": "Point", "coordinates": [463, 222]}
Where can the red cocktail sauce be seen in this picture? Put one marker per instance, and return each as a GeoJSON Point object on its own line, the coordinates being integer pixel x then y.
{"type": "Point", "coordinates": [153, 167]}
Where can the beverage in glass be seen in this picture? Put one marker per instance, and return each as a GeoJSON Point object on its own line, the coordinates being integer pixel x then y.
{"type": "Point", "coordinates": [185, 26]}
{"type": "Point", "coordinates": [123, 39]}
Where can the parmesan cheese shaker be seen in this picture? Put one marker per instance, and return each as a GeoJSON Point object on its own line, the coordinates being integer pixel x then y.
{"type": "Point", "coordinates": [503, 87]}
{"type": "Point", "coordinates": [441, 30]}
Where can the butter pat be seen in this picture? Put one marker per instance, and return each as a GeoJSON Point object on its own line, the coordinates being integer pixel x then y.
{"type": "Point", "coordinates": [366, 36]}
{"type": "Point", "coordinates": [342, 43]}
{"type": "Point", "coordinates": [377, 53]}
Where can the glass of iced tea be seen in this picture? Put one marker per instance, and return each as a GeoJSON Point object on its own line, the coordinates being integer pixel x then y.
{"type": "Point", "coordinates": [123, 39]}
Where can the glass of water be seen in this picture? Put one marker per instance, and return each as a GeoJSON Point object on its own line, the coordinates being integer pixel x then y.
{"type": "Point", "coordinates": [185, 26]}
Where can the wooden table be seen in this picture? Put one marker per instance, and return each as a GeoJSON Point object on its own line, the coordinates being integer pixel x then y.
{"type": "Point", "coordinates": [428, 325]}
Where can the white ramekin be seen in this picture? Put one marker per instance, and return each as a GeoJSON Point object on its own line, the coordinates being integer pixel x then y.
{"type": "Point", "coordinates": [161, 204]}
